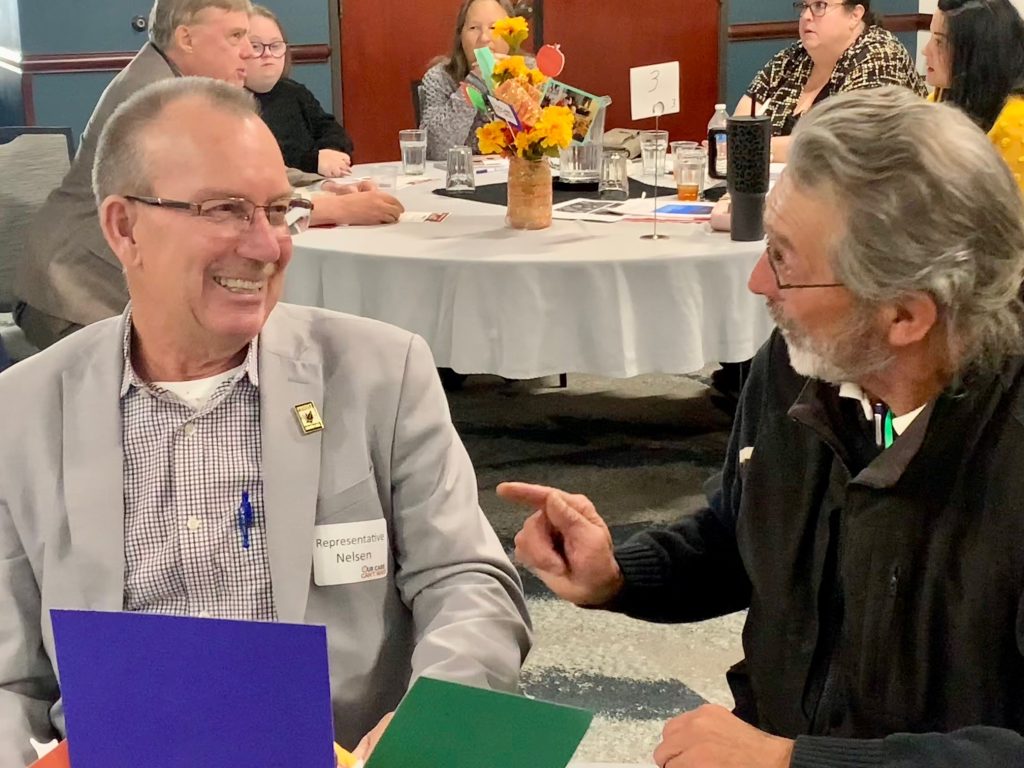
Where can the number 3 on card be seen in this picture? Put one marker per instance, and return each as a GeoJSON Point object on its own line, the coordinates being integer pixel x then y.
{"type": "Point", "coordinates": [654, 90]}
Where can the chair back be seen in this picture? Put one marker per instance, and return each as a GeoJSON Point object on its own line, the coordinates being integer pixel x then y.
{"type": "Point", "coordinates": [417, 108]}
{"type": "Point", "coordinates": [33, 162]}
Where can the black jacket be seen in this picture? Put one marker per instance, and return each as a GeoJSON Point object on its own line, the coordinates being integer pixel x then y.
{"type": "Point", "coordinates": [300, 125]}
{"type": "Point", "coordinates": [886, 619]}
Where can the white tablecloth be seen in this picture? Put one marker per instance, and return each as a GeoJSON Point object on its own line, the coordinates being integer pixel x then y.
{"type": "Point", "coordinates": [578, 297]}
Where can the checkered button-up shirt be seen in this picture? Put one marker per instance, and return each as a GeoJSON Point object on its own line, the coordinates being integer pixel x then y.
{"type": "Point", "coordinates": [875, 59]}
{"type": "Point", "coordinates": [184, 474]}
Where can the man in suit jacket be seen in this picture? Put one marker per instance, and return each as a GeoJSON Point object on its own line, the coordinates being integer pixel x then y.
{"type": "Point", "coordinates": [68, 277]}
{"type": "Point", "coordinates": [145, 440]}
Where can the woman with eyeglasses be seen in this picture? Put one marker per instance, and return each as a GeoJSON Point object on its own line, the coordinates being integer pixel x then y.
{"type": "Point", "coordinates": [975, 60]}
{"type": "Point", "coordinates": [310, 138]}
{"type": "Point", "coordinates": [842, 48]}
{"type": "Point", "coordinates": [449, 120]}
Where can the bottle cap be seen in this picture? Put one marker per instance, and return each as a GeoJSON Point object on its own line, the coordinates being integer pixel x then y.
{"type": "Point", "coordinates": [719, 106]}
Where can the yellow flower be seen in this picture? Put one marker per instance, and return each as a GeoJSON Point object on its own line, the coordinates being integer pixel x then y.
{"type": "Point", "coordinates": [555, 127]}
{"type": "Point", "coordinates": [492, 137]}
{"type": "Point", "coordinates": [513, 67]}
{"type": "Point", "coordinates": [513, 30]}
{"type": "Point", "coordinates": [536, 77]}
{"type": "Point", "coordinates": [525, 141]}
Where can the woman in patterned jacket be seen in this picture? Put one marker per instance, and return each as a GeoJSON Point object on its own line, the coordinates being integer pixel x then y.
{"type": "Point", "coordinates": [451, 121]}
{"type": "Point", "coordinates": [842, 48]}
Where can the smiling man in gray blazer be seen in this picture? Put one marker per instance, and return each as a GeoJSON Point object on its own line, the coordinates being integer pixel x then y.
{"type": "Point", "coordinates": [68, 276]}
{"type": "Point", "coordinates": [213, 453]}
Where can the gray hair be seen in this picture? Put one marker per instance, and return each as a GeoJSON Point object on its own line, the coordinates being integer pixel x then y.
{"type": "Point", "coordinates": [928, 206]}
{"type": "Point", "coordinates": [120, 167]}
{"type": "Point", "coordinates": [167, 15]}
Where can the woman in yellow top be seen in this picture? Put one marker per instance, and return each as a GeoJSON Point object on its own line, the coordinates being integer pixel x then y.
{"type": "Point", "coordinates": [975, 59]}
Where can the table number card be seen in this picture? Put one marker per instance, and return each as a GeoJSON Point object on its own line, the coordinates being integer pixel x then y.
{"type": "Point", "coordinates": [654, 90]}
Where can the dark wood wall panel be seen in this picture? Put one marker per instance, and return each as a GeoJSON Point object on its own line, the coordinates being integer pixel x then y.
{"type": "Point", "coordinates": [385, 46]}
{"type": "Point", "coordinates": [601, 41]}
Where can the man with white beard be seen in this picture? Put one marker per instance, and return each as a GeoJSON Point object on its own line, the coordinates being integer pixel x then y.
{"type": "Point", "coordinates": [870, 510]}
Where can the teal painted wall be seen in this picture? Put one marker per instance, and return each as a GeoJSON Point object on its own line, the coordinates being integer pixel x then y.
{"type": "Point", "coordinates": [77, 26]}
{"type": "Point", "coordinates": [68, 99]}
{"type": "Point", "coordinates": [746, 58]}
{"type": "Point", "coordinates": [74, 26]}
{"type": "Point", "coordinates": [11, 108]}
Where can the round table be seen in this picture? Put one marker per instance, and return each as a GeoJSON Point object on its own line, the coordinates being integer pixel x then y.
{"type": "Point", "coordinates": [579, 297]}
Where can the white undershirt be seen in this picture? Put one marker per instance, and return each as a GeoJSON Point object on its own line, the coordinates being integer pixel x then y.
{"type": "Point", "coordinates": [899, 423]}
{"type": "Point", "coordinates": [197, 392]}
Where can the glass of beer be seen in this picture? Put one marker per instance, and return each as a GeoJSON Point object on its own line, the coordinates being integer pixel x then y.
{"type": "Point", "coordinates": [689, 172]}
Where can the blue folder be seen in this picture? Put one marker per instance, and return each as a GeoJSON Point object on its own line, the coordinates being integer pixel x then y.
{"type": "Point", "coordinates": [169, 691]}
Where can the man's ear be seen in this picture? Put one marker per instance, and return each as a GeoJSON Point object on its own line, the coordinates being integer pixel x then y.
{"type": "Point", "coordinates": [911, 319]}
{"type": "Point", "coordinates": [183, 38]}
{"type": "Point", "coordinates": [117, 220]}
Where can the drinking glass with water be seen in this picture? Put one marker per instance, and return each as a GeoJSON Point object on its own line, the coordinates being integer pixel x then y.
{"type": "Point", "coordinates": [414, 151]}
{"type": "Point", "coordinates": [653, 152]}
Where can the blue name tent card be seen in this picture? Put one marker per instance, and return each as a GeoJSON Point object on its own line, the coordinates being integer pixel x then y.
{"type": "Point", "coordinates": [170, 691]}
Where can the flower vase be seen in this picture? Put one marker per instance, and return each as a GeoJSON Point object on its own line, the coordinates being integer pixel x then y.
{"type": "Point", "coordinates": [529, 194]}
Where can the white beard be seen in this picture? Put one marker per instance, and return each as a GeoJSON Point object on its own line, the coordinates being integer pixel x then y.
{"type": "Point", "coordinates": [807, 362]}
{"type": "Point", "coordinates": [853, 352]}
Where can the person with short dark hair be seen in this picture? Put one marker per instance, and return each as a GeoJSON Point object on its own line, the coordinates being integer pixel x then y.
{"type": "Point", "coordinates": [975, 60]}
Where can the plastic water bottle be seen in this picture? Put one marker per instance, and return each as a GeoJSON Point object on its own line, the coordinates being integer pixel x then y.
{"type": "Point", "coordinates": [718, 121]}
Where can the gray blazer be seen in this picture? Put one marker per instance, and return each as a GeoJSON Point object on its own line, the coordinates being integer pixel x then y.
{"type": "Point", "coordinates": [68, 270]}
{"type": "Point", "coordinates": [451, 606]}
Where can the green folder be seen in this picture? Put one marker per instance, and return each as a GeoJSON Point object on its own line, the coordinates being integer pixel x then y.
{"type": "Point", "coordinates": [485, 58]}
{"type": "Point", "coordinates": [447, 725]}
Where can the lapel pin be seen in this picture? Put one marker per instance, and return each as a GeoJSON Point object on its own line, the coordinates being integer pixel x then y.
{"type": "Point", "coordinates": [309, 418]}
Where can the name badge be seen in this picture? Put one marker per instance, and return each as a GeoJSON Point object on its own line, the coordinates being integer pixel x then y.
{"type": "Point", "coordinates": [347, 553]}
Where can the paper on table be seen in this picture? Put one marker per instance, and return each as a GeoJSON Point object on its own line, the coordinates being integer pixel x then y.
{"type": "Point", "coordinates": [423, 216]}
{"type": "Point", "coordinates": [446, 724]}
{"type": "Point", "coordinates": [586, 209]}
{"type": "Point", "coordinates": [168, 691]}
{"type": "Point", "coordinates": [489, 162]}
{"type": "Point", "coordinates": [413, 180]}
{"type": "Point", "coordinates": [668, 205]}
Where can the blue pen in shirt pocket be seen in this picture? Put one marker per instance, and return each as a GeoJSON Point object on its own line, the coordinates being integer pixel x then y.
{"type": "Point", "coordinates": [245, 519]}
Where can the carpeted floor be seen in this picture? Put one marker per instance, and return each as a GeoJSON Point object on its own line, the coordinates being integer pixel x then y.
{"type": "Point", "coordinates": [641, 449]}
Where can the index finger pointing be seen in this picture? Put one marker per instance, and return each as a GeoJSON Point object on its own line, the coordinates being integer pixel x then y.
{"type": "Point", "coordinates": [525, 493]}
